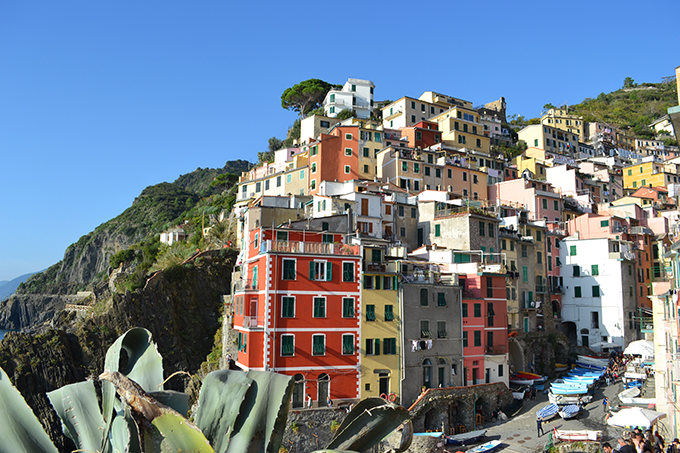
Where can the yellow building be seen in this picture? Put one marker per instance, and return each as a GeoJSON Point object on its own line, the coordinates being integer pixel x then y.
{"type": "Point", "coordinates": [549, 138]}
{"type": "Point", "coordinates": [650, 172]}
{"type": "Point", "coordinates": [560, 119]}
{"type": "Point", "coordinates": [380, 327]}
{"type": "Point", "coordinates": [462, 128]}
{"type": "Point", "coordinates": [534, 162]}
{"type": "Point", "coordinates": [370, 144]}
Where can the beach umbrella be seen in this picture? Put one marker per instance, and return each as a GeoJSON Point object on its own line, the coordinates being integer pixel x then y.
{"type": "Point", "coordinates": [635, 416]}
{"type": "Point", "coordinates": [643, 348]}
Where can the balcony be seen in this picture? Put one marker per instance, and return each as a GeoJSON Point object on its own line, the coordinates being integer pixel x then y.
{"type": "Point", "coordinates": [314, 248]}
{"type": "Point", "coordinates": [556, 289]}
{"type": "Point", "coordinates": [245, 285]}
{"type": "Point", "coordinates": [375, 267]}
{"type": "Point", "coordinates": [253, 321]}
{"type": "Point", "coordinates": [496, 350]}
{"type": "Point", "coordinates": [528, 305]}
{"type": "Point", "coordinates": [541, 289]}
{"type": "Point", "coordinates": [641, 230]}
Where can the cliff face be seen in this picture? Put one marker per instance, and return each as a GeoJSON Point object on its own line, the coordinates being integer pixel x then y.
{"type": "Point", "coordinates": [180, 307]}
{"type": "Point", "coordinates": [29, 311]}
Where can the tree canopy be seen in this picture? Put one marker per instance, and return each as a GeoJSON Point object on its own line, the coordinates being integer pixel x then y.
{"type": "Point", "coordinates": [305, 96]}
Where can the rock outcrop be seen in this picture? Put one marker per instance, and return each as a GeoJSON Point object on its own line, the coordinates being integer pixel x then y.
{"type": "Point", "coordinates": [180, 307]}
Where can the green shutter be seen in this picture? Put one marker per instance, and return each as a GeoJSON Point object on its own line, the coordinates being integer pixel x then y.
{"type": "Point", "coordinates": [370, 312]}
{"type": "Point", "coordinates": [376, 349]}
{"type": "Point", "coordinates": [329, 272]}
{"type": "Point", "coordinates": [441, 299]}
{"type": "Point", "coordinates": [311, 270]}
{"type": "Point", "coordinates": [377, 282]}
{"type": "Point", "coordinates": [389, 313]}
{"type": "Point", "coordinates": [595, 270]}
{"type": "Point", "coordinates": [572, 250]}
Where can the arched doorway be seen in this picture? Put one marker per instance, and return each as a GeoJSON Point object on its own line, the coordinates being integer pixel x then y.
{"type": "Point", "coordinates": [299, 391]}
{"type": "Point", "coordinates": [427, 373]}
{"type": "Point", "coordinates": [585, 338]}
{"type": "Point", "coordinates": [324, 389]}
{"type": "Point", "coordinates": [557, 309]}
{"type": "Point", "coordinates": [569, 329]}
{"type": "Point", "coordinates": [441, 373]}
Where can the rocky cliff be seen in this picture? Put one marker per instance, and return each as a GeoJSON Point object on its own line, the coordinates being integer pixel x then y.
{"type": "Point", "coordinates": [180, 307]}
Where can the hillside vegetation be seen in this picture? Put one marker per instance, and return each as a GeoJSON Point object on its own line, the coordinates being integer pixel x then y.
{"type": "Point", "coordinates": [633, 106]}
{"type": "Point", "coordinates": [187, 201]}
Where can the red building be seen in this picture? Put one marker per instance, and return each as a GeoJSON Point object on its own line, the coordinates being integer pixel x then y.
{"type": "Point", "coordinates": [422, 135]}
{"type": "Point", "coordinates": [296, 310]}
{"type": "Point", "coordinates": [485, 326]}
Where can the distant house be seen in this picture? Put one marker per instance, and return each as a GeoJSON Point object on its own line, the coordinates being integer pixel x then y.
{"type": "Point", "coordinates": [173, 235]}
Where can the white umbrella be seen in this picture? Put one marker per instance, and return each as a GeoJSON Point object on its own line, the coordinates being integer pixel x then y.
{"type": "Point", "coordinates": [641, 347]}
{"type": "Point", "coordinates": [635, 416]}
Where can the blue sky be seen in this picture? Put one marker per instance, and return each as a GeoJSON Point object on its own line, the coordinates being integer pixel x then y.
{"type": "Point", "coordinates": [99, 100]}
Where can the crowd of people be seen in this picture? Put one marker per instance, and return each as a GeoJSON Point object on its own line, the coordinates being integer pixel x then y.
{"type": "Point", "coordinates": [639, 442]}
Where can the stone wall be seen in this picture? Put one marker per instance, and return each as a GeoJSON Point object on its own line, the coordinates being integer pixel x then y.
{"type": "Point", "coordinates": [311, 429]}
{"type": "Point", "coordinates": [449, 408]}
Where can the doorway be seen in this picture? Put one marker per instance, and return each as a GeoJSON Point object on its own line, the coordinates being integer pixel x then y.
{"type": "Point", "coordinates": [384, 384]}
{"type": "Point", "coordinates": [323, 387]}
{"type": "Point", "coordinates": [299, 391]}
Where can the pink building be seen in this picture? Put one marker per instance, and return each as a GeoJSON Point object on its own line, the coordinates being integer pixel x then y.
{"type": "Point", "coordinates": [539, 197]}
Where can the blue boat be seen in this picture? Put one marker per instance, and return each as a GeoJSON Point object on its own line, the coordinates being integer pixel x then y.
{"type": "Point", "coordinates": [570, 411]}
{"type": "Point", "coordinates": [565, 391]}
{"type": "Point", "coordinates": [547, 412]}
{"type": "Point", "coordinates": [465, 438]}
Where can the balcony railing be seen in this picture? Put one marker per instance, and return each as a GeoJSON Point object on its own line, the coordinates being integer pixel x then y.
{"type": "Point", "coordinates": [245, 285]}
{"type": "Point", "coordinates": [375, 267]}
{"type": "Point", "coordinates": [253, 321]}
{"type": "Point", "coordinates": [541, 288]}
{"type": "Point", "coordinates": [496, 350]}
{"type": "Point", "coordinates": [314, 248]}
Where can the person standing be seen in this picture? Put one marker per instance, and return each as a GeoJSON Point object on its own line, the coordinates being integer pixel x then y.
{"type": "Point", "coordinates": [309, 400]}
{"type": "Point", "coordinates": [605, 403]}
{"type": "Point", "coordinates": [539, 426]}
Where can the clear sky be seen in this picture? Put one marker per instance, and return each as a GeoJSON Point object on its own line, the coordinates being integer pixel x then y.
{"type": "Point", "coordinates": [99, 100]}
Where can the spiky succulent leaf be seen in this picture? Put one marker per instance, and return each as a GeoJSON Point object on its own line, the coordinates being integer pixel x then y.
{"type": "Point", "coordinates": [244, 412]}
{"type": "Point", "coordinates": [81, 419]}
{"type": "Point", "coordinates": [369, 422]}
{"type": "Point", "coordinates": [177, 400]}
{"type": "Point", "coordinates": [144, 364]}
{"type": "Point", "coordinates": [180, 435]}
{"type": "Point", "coordinates": [20, 429]}
{"type": "Point", "coordinates": [219, 403]}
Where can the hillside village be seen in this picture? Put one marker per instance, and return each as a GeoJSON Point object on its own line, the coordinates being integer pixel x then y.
{"type": "Point", "coordinates": [386, 256]}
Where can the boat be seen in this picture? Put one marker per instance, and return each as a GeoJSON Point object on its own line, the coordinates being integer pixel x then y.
{"type": "Point", "coordinates": [547, 412]}
{"type": "Point", "coordinates": [537, 378]}
{"type": "Point", "coordinates": [519, 391]}
{"type": "Point", "coordinates": [569, 411]}
{"type": "Point", "coordinates": [629, 394]}
{"type": "Point", "coordinates": [577, 435]}
{"type": "Point", "coordinates": [591, 366]}
{"type": "Point", "coordinates": [569, 399]}
{"type": "Point", "coordinates": [465, 438]}
{"type": "Point", "coordinates": [569, 391]}
{"type": "Point", "coordinates": [435, 434]}
{"type": "Point", "coordinates": [489, 446]}
{"type": "Point", "coordinates": [597, 361]}
{"type": "Point", "coordinates": [561, 367]}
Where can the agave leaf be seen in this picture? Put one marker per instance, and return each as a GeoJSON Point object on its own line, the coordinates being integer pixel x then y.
{"type": "Point", "coordinates": [124, 436]}
{"type": "Point", "coordinates": [369, 422]}
{"type": "Point", "coordinates": [250, 409]}
{"type": "Point", "coordinates": [177, 400]}
{"type": "Point", "coordinates": [144, 365]}
{"type": "Point", "coordinates": [20, 429]}
{"type": "Point", "coordinates": [180, 435]}
{"type": "Point", "coordinates": [219, 402]}
{"type": "Point", "coordinates": [78, 408]}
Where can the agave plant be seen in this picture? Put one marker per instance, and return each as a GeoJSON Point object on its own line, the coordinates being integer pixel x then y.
{"type": "Point", "coordinates": [237, 411]}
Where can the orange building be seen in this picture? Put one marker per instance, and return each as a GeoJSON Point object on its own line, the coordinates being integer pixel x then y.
{"type": "Point", "coordinates": [334, 157]}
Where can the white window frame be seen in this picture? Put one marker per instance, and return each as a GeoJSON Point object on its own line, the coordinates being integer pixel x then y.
{"type": "Point", "coordinates": [325, 344]}
{"type": "Point", "coordinates": [317, 265]}
{"type": "Point", "coordinates": [348, 151]}
{"type": "Point", "coordinates": [281, 348]}
{"type": "Point", "coordinates": [354, 272]}
{"type": "Point", "coordinates": [342, 344]}
{"type": "Point", "coordinates": [294, 306]}
{"type": "Point", "coordinates": [348, 169]}
{"type": "Point", "coordinates": [325, 307]}
{"type": "Point", "coordinates": [354, 308]}
{"type": "Point", "coordinates": [284, 267]}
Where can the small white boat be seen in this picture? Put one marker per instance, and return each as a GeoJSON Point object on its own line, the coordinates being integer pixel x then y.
{"type": "Point", "coordinates": [569, 399]}
{"type": "Point", "coordinates": [489, 446]}
{"type": "Point", "coordinates": [577, 435]}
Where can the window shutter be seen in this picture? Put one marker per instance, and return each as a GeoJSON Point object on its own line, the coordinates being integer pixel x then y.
{"type": "Point", "coordinates": [377, 282]}
{"type": "Point", "coordinates": [329, 272]}
{"type": "Point", "coordinates": [377, 346]}
{"type": "Point", "coordinates": [311, 270]}
{"type": "Point", "coordinates": [386, 347]}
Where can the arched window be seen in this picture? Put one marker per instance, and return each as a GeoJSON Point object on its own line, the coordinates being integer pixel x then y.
{"type": "Point", "coordinates": [427, 373]}
{"type": "Point", "coordinates": [323, 389]}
